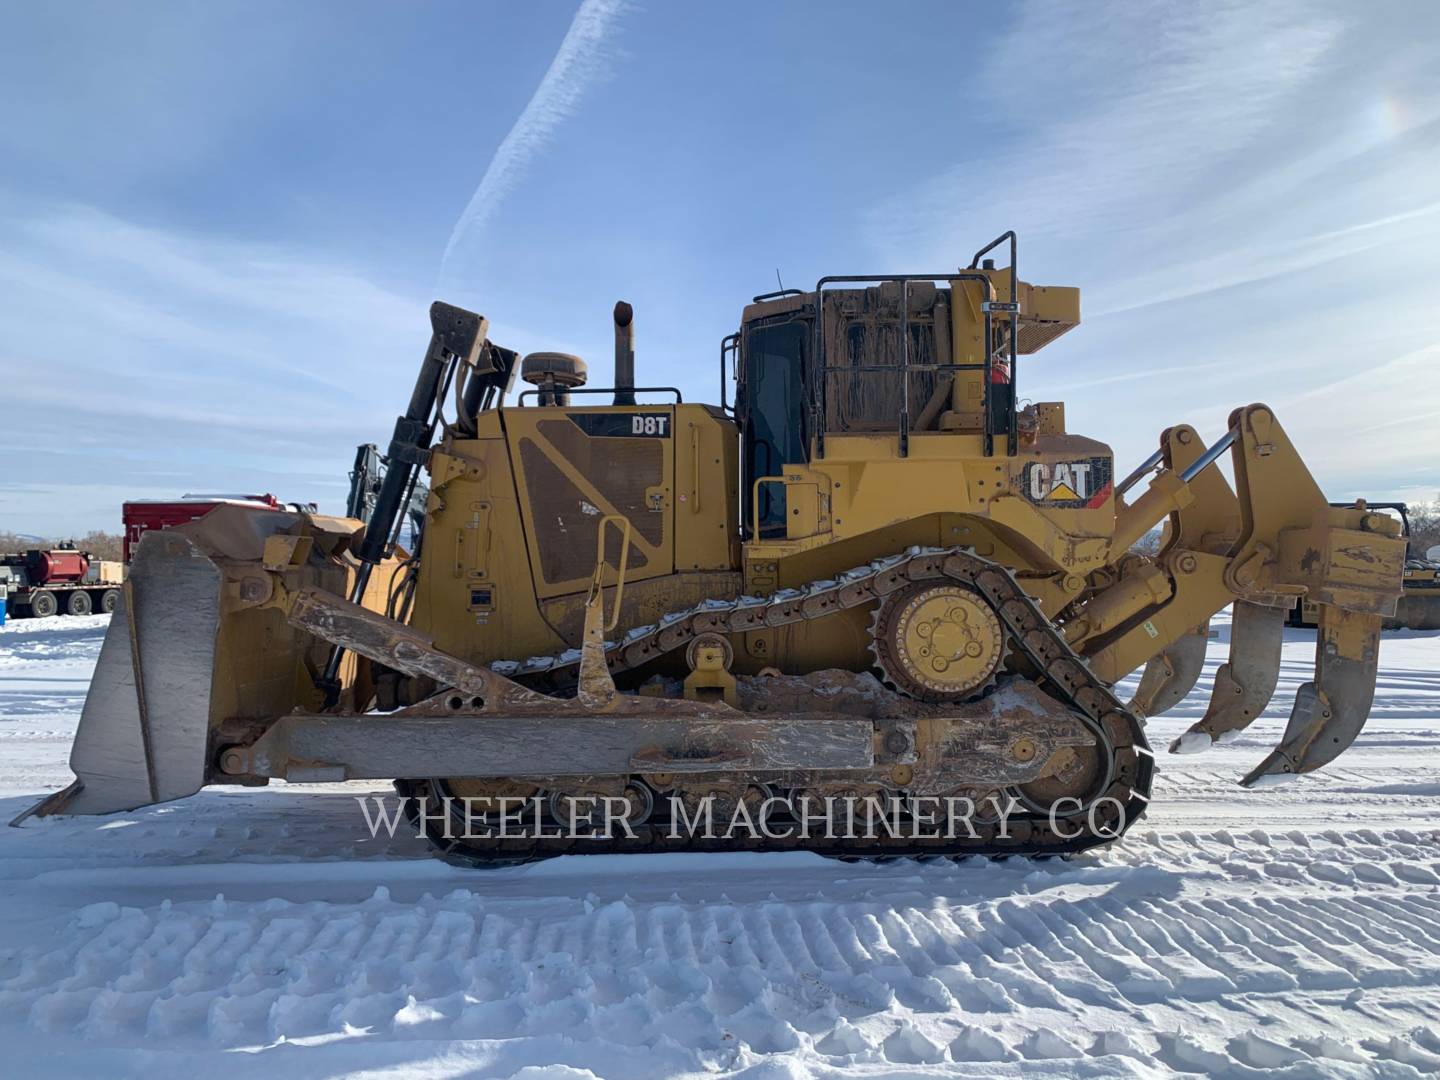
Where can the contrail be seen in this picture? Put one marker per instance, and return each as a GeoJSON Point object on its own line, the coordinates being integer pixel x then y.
{"type": "Point", "coordinates": [577, 64]}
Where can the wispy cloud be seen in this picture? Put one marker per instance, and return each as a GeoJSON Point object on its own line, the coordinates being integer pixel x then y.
{"type": "Point", "coordinates": [1086, 117]}
{"type": "Point", "coordinates": [1242, 193]}
{"type": "Point", "coordinates": [1134, 374]}
{"type": "Point", "coordinates": [579, 62]}
{"type": "Point", "coordinates": [1215, 271]}
{"type": "Point", "coordinates": [142, 362]}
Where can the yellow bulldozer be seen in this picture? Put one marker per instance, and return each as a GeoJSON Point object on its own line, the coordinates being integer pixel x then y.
{"type": "Point", "coordinates": [875, 577]}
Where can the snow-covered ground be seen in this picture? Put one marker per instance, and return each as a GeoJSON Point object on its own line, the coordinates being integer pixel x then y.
{"type": "Point", "coordinates": [1287, 932]}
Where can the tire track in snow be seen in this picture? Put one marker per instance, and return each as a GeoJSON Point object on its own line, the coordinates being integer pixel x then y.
{"type": "Point", "coordinates": [1082, 949]}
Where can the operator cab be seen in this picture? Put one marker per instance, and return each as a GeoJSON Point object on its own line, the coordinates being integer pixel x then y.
{"type": "Point", "coordinates": [900, 355]}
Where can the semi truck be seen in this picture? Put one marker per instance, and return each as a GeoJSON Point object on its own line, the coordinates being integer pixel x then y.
{"type": "Point", "coordinates": [43, 582]}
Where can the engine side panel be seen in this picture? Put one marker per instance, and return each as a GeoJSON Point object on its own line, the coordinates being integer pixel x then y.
{"type": "Point", "coordinates": [513, 522]}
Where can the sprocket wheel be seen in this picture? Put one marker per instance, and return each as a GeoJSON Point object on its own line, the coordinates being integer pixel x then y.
{"type": "Point", "coordinates": [937, 642]}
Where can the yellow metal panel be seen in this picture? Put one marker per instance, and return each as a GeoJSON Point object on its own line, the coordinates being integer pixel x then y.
{"type": "Point", "coordinates": [475, 595]}
{"type": "Point", "coordinates": [1050, 417]}
{"type": "Point", "coordinates": [802, 508]}
{"type": "Point", "coordinates": [871, 488]}
{"type": "Point", "coordinates": [1347, 567]}
{"type": "Point", "coordinates": [567, 481]}
{"type": "Point", "coordinates": [1050, 303]}
{"type": "Point", "coordinates": [707, 475]}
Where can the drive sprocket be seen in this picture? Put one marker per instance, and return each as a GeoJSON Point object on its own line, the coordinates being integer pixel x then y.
{"type": "Point", "coordinates": [937, 641]}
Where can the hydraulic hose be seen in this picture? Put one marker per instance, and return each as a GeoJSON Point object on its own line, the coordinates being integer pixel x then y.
{"type": "Point", "coordinates": [457, 337]}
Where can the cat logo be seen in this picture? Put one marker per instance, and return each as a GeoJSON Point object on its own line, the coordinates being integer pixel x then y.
{"type": "Point", "coordinates": [1084, 483]}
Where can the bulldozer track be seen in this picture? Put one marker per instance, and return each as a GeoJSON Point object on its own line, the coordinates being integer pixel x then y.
{"type": "Point", "coordinates": [1120, 737]}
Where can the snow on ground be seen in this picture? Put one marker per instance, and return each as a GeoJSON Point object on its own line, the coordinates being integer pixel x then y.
{"type": "Point", "coordinates": [1292, 932]}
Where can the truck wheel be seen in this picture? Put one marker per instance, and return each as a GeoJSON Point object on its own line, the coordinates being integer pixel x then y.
{"type": "Point", "coordinates": [108, 599]}
{"type": "Point", "coordinates": [78, 603]}
{"type": "Point", "coordinates": [43, 604]}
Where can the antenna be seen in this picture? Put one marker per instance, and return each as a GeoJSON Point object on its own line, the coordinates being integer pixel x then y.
{"type": "Point", "coordinates": [777, 279]}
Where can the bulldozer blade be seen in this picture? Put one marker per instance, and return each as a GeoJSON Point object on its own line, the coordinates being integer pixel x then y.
{"type": "Point", "coordinates": [1329, 712]}
{"type": "Point", "coordinates": [143, 730]}
{"type": "Point", "coordinates": [193, 645]}
{"type": "Point", "coordinates": [1171, 675]}
{"type": "Point", "coordinates": [1245, 682]}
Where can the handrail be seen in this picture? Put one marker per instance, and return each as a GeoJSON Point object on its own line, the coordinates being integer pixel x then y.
{"type": "Point", "coordinates": [755, 501]}
{"type": "Point", "coordinates": [679, 400]}
{"type": "Point", "coordinates": [597, 580]}
{"type": "Point", "coordinates": [695, 486]}
{"type": "Point", "coordinates": [1008, 234]}
{"type": "Point", "coordinates": [821, 369]}
{"type": "Point", "coordinates": [729, 346]}
{"type": "Point", "coordinates": [1403, 508]}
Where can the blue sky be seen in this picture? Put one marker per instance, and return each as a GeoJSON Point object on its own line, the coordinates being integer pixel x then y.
{"type": "Point", "coordinates": [220, 224]}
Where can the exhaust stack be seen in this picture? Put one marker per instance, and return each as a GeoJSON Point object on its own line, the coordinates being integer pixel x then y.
{"type": "Point", "coordinates": [624, 353]}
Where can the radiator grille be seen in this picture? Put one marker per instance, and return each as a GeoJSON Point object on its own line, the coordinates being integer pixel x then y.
{"type": "Point", "coordinates": [1035, 334]}
{"type": "Point", "coordinates": [566, 518]}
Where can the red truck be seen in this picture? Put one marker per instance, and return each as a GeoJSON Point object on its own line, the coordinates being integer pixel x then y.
{"type": "Point", "coordinates": [143, 515]}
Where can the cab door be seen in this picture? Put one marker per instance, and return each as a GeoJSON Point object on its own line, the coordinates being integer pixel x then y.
{"type": "Point", "coordinates": [772, 413]}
